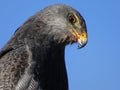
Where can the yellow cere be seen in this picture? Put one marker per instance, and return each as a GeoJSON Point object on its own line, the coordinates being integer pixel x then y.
{"type": "Point", "coordinates": [78, 36]}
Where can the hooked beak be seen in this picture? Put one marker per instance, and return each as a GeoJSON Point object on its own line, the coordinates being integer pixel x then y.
{"type": "Point", "coordinates": [81, 38]}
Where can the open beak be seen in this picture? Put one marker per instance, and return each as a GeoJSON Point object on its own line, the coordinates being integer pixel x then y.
{"type": "Point", "coordinates": [81, 38]}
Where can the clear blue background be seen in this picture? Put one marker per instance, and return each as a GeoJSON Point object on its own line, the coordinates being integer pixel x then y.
{"type": "Point", "coordinates": [95, 67]}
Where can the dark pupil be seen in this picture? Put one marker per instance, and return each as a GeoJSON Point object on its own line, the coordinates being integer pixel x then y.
{"type": "Point", "coordinates": [72, 19]}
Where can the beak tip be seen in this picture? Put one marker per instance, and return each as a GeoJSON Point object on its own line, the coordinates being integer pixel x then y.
{"type": "Point", "coordinates": [82, 43]}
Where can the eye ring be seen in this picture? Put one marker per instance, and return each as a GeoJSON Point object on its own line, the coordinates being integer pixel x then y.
{"type": "Point", "coordinates": [72, 18]}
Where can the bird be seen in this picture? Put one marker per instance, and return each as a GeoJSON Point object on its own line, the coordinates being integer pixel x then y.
{"type": "Point", "coordinates": [33, 58]}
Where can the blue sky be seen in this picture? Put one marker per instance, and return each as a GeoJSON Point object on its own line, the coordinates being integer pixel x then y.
{"type": "Point", "coordinates": [95, 67]}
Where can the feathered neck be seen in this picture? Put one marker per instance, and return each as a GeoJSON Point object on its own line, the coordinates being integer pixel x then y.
{"type": "Point", "coordinates": [50, 68]}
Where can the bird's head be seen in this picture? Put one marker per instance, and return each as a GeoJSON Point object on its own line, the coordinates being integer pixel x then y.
{"type": "Point", "coordinates": [65, 23]}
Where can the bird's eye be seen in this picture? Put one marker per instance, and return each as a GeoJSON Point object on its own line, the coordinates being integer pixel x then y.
{"type": "Point", "coordinates": [72, 18]}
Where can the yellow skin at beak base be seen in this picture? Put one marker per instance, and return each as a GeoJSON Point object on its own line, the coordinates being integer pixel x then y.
{"type": "Point", "coordinates": [81, 38]}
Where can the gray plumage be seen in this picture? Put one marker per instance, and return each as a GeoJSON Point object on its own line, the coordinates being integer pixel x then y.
{"type": "Point", "coordinates": [33, 59]}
